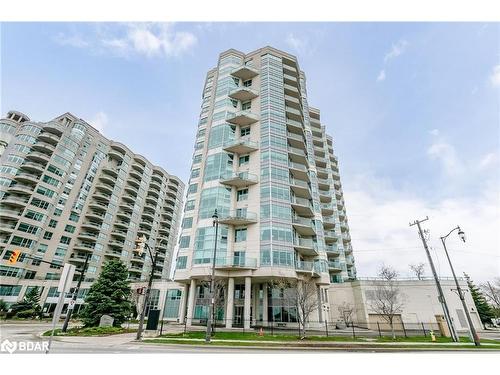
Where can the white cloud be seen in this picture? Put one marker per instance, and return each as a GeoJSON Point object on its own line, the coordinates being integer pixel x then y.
{"type": "Point", "coordinates": [379, 218]}
{"type": "Point", "coordinates": [495, 76]}
{"type": "Point", "coordinates": [100, 121]}
{"type": "Point", "coordinates": [434, 132]}
{"type": "Point", "coordinates": [397, 50]}
{"type": "Point", "coordinates": [147, 39]}
{"type": "Point", "coordinates": [488, 160]}
{"type": "Point", "coordinates": [296, 43]}
{"type": "Point", "coordinates": [446, 154]}
{"type": "Point", "coordinates": [71, 40]}
{"type": "Point", "coordinates": [381, 76]}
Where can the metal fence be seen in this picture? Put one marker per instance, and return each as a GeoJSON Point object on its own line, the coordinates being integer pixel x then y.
{"type": "Point", "coordinates": [316, 328]}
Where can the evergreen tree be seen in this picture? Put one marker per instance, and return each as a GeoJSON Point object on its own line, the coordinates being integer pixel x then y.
{"type": "Point", "coordinates": [109, 295]}
{"type": "Point", "coordinates": [484, 310]}
{"type": "Point", "coordinates": [29, 306]}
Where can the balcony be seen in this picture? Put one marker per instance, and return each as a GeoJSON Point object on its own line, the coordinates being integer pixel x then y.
{"type": "Point", "coordinates": [136, 175]}
{"type": "Point", "coordinates": [292, 102]}
{"type": "Point", "coordinates": [107, 179]}
{"type": "Point", "coordinates": [27, 178]}
{"type": "Point", "coordinates": [332, 250]}
{"type": "Point", "coordinates": [334, 265]}
{"type": "Point", "coordinates": [238, 217]}
{"type": "Point", "coordinates": [235, 262]}
{"type": "Point", "coordinates": [306, 246]}
{"type": "Point", "coordinates": [21, 188]}
{"type": "Point", "coordinates": [243, 93]}
{"type": "Point", "coordinates": [292, 91]}
{"type": "Point", "coordinates": [330, 236]}
{"type": "Point", "coordinates": [32, 166]}
{"type": "Point", "coordinates": [119, 233]}
{"type": "Point", "coordinates": [117, 244]}
{"type": "Point", "coordinates": [12, 200]}
{"type": "Point", "coordinates": [243, 118]}
{"type": "Point", "coordinates": [302, 206]}
{"type": "Point", "coordinates": [239, 179]}
{"type": "Point", "coordinates": [155, 185]}
{"type": "Point", "coordinates": [10, 214]}
{"type": "Point", "coordinates": [122, 224]}
{"type": "Point", "coordinates": [110, 170]}
{"type": "Point", "coordinates": [89, 236]}
{"type": "Point", "coordinates": [294, 126]}
{"type": "Point", "coordinates": [293, 113]}
{"type": "Point", "coordinates": [303, 226]}
{"type": "Point", "coordinates": [244, 72]}
{"type": "Point", "coordinates": [241, 146]}
{"type": "Point", "coordinates": [113, 253]}
{"type": "Point", "coordinates": [306, 267]}
{"type": "Point", "coordinates": [49, 138]}
{"type": "Point", "coordinates": [300, 188]}
{"type": "Point", "coordinates": [38, 156]}
{"type": "Point", "coordinates": [328, 222]}
{"type": "Point", "coordinates": [327, 209]}
{"type": "Point", "coordinates": [297, 140]}
{"type": "Point", "coordinates": [92, 225]}
{"type": "Point", "coordinates": [43, 147]}
{"type": "Point", "coordinates": [289, 79]}
{"type": "Point", "coordinates": [297, 155]}
{"type": "Point", "coordinates": [95, 215]}
{"type": "Point", "coordinates": [115, 154]}
{"type": "Point", "coordinates": [98, 206]}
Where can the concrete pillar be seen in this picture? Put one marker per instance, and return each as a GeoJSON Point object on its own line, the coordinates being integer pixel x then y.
{"type": "Point", "coordinates": [265, 318]}
{"type": "Point", "coordinates": [320, 303]}
{"type": "Point", "coordinates": [254, 302]}
{"type": "Point", "coordinates": [248, 301]}
{"type": "Point", "coordinates": [182, 307]}
{"type": "Point", "coordinates": [190, 309]}
{"type": "Point", "coordinates": [230, 303]}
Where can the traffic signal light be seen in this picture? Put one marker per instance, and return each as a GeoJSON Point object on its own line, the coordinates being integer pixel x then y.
{"type": "Point", "coordinates": [140, 243]}
{"type": "Point", "coordinates": [14, 256]}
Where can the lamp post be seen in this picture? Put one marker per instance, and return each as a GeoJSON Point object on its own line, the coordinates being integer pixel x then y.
{"type": "Point", "coordinates": [140, 245]}
{"type": "Point", "coordinates": [211, 308]}
{"type": "Point", "coordinates": [472, 330]}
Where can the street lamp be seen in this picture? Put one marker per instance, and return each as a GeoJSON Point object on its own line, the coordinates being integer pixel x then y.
{"type": "Point", "coordinates": [472, 330]}
{"type": "Point", "coordinates": [211, 308]}
{"type": "Point", "coordinates": [140, 245]}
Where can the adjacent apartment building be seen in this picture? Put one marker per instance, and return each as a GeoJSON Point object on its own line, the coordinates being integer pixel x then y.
{"type": "Point", "coordinates": [68, 193]}
{"type": "Point", "coordinates": [262, 158]}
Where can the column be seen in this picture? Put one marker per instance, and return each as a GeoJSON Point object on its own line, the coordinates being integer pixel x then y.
{"type": "Point", "coordinates": [320, 306]}
{"type": "Point", "coordinates": [264, 305]}
{"type": "Point", "coordinates": [230, 302]}
{"type": "Point", "coordinates": [248, 301]}
{"type": "Point", "coordinates": [254, 303]}
{"type": "Point", "coordinates": [192, 294]}
{"type": "Point", "coordinates": [182, 307]}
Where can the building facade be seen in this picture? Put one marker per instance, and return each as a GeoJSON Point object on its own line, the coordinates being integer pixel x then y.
{"type": "Point", "coordinates": [264, 161]}
{"type": "Point", "coordinates": [68, 193]}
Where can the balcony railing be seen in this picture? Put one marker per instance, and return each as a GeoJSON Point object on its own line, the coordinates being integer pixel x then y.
{"type": "Point", "coordinates": [235, 262]}
{"type": "Point", "coordinates": [238, 217]}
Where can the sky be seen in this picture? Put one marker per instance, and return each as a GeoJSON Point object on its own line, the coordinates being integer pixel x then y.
{"type": "Point", "coordinates": [413, 109]}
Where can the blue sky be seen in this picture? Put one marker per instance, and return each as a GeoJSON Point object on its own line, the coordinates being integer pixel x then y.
{"type": "Point", "coordinates": [413, 109]}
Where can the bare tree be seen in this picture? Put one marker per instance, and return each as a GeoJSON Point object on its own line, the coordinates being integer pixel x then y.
{"type": "Point", "coordinates": [418, 269]}
{"type": "Point", "coordinates": [302, 294]}
{"type": "Point", "coordinates": [491, 290]}
{"type": "Point", "coordinates": [219, 286]}
{"type": "Point", "coordinates": [346, 310]}
{"type": "Point", "coordinates": [387, 299]}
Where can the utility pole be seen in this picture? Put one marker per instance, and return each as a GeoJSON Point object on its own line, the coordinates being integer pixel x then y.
{"type": "Point", "coordinates": [211, 307]}
{"type": "Point", "coordinates": [72, 303]}
{"type": "Point", "coordinates": [441, 298]}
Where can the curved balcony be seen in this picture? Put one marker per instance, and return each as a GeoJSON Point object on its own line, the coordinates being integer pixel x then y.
{"type": "Point", "coordinates": [43, 147]}
{"type": "Point", "coordinates": [27, 177]}
{"type": "Point", "coordinates": [148, 214]}
{"type": "Point", "coordinates": [128, 200]}
{"type": "Point", "coordinates": [108, 189]}
{"type": "Point", "coordinates": [137, 259]}
{"type": "Point", "coordinates": [89, 236]}
{"type": "Point", "coordinates": [243, 118]}
{"type": "Point", "coordinates": [122, 234]}
{"type": "Point", "coordinates": [98, 206]}
{"type": "Point", "coordinates": [229, 263]}
{"type": "Point", "coordinates": [241, 146]}
{"type": "Point", "coordinates": [95, 215]}
{"type": "Point", "coordinates": [10, 214]}
{"type": "Point", "coordinates": [115, 154]}
{"type": "Point", "coordinates": [124, 215]}
{"type": "Point", "coordinates": [306, 268]}
{"type": "Point", "coordinates": [155, 184]}
{"type": "Point", "coordinates": [84, 247]}
{"type": "Point", "coordinates": [244, 72]}
{"type": "Point", "coordinates": [15, 201]}
{"type": "Point", "coordinates": [243, 93]}
{"type": "Point", "coordinates": [330, 236]}
{"type": "Point", "coordinates": [303, 226]}
{"type": "Point", "coordinates": [54, 128]}
{"type": "Point", "coordinates": [92, 225]}
{"type": "Point", "coordinates": [135, 174]}
{"type": "Point", "coordinates": [239, 179]}
{"type": "Point", "coordinates": [328, 222]}
{"type": "Point", "coordinates": [152, 199]}
{"type": "Point", "coordinates": [334, 266]}
{"type": "Point", "coordinates": [38, 156]}
{"type": "Point", "coordinates": [113, 254]}
{"type": "Point", "coordinates": [102, 196]}
{"type": "Point", "coordinates": [116, 244]}
{"type": "Point", "coordinates": [154, 192]}
{"type": "Point", "coordinates": [138, 167]}
{"type": "Point", "coordinates": [238, 217]}
{"type": "Point", "coordinates": [21, 188]}
{"type": "Point", "coordinates": [112, 171]}
{"type": "Point", "coordinates": [49, 138]}
{"type": "Point", "coordinates": [131, 189]}
{"type": "Point", "coordinates": [332, 250]}
{"type": "Point", "coordinates": [326, 209]}
{"type": "Point", "coordinates": [122, 224]}
{"type": "Point", "coordinates": [146, 224]}
{"type": "Point", "coordinates": [33, 167]}
{"type": "Point", "coordinates": [107, 179]}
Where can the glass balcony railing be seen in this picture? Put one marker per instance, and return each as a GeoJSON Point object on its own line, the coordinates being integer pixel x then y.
{"type": "Point", "coordinates": [236, 262]}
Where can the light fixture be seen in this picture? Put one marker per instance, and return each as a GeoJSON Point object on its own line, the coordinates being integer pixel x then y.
{"type": "Point", "coordinates": [461, 234]}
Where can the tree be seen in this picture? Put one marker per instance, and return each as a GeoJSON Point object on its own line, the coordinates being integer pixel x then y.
{"type": "Point", "coordinates": [29, 307]}
{"type": "Point", "coordinates": [108, 295]}
{"type": "Point", "coordinates": [346, 310]}
{"type": "Point", "coordinates": [418, 269]}
{"type": "Point", "coordinates": [491, 291]}
{"type": "Point", "coordinates": [387, 299]}
{"type": "Point", "coordinates": [219, 286]}
{"type": "Point", "coordinates": [302, 294]}
{"type": "Point", "coordinates": [483, 309]}
{"type": "Point", "coordinates": [3, 305]}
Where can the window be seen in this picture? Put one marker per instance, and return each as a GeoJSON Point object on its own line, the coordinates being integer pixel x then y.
{"type": "Point", "coordinates": [57, 212]}
{"type": "Point", "coordinates": [245, 131]}
{"type": "Point", "coordinates": [184, 242]}
{"type": "Point", "coordinates": [192, 188]}
{"type": "Point", "coordinates": [47, 235]}
{"type": "Point", "coordinates": [242, 195]}
{"type": "Point", "coordinates": [195, 173]}
{"type": "Point", "coordinates": [57, 171]}
{"type": "Point", "coordinates": [51, 181]}
{"type": "Point", "coordinates": [44, 191]}
{"type": "Point", "coordinates": [74, 217]}
{"type": "Point", "coordinates": [35, 215]}
{"type": "Point", "coordinates": [31, 229]}
{"type": "Point", "coordinates": [199, 145]}
{"type": "Point", "coordinates": [61, 251]}
{"type": "Point", "coordinates": [197, 159]}
{"type": "Point", "coordinates": [70, 228]}
{"type": "Point", "coordinates": [220, 135]}
{"type": "Point", "coordinates": [187, 222]}
{"type": "Point", "coordinates": [247, 83]}
{"type": "Point", "coordinates": [214, 198]}
{"type": "Point", "coordinates": [52, 223]}
{"type": "Point", "coordinates": [205, 241]}
{"type": "Point", "coordinates": [42, 248]}
{"type": "Point", "coordinates": [65, 240]}
{"type": "Point", "coordinates": [245, 106]}
{"type": "Point", "coordinates": [240, 235]}
{"type": "Point", "coordinates": [181, 262]}
{"type": "Point", "coordinates": [40, 203]}
{"type": "Point", "coordinates": [217, 166]}
{"type": "Point", "coordinates": [243, 160]}
{"type": "Point", "coordinates": [21, 241]}
{"type": "Point", "coordinates": [10, 290]}
{"type": "Point", "coordinates": [190, 205]}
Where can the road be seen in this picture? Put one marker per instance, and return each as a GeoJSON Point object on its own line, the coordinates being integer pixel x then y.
{"type": "Point", "coordinates": [125, 343]}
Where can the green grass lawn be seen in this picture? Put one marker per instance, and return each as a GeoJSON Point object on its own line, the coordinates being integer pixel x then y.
{"type": "Point", "coordinates": [252, 336]}
{"type": "Point", "coordinates": [90, 331]}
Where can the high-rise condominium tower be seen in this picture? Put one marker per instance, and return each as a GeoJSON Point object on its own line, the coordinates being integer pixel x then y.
{"type": "Point", "coordinates": [66, 192]}
{"type": "Point", "coordinates": [263, 160]}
